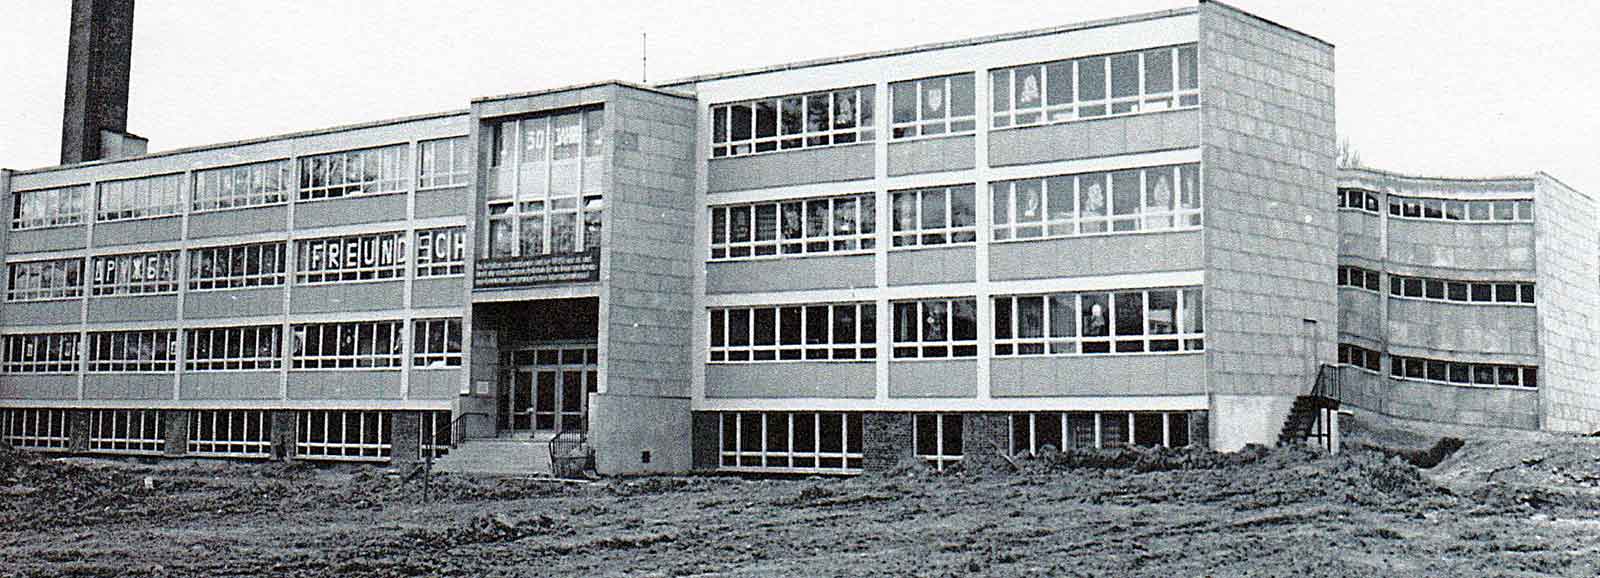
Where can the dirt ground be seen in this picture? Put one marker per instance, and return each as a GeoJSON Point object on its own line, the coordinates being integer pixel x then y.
{"type": "Point", "coordinates": [1497, 507]}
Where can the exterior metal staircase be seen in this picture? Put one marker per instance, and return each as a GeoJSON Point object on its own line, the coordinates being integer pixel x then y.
{"type": "Point", "coordinates": [1305, 423]}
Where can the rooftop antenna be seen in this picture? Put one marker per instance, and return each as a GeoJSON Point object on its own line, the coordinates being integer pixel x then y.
{"type": "Point", "coordinates": [644, 57]}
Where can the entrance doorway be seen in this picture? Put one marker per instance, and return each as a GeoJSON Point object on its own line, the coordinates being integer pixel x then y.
{"type": "Point", "coordinates": [545, 389]}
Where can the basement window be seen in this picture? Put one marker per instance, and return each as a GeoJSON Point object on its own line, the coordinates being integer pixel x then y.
{"type": "Point", "coordinates": [937, 438]}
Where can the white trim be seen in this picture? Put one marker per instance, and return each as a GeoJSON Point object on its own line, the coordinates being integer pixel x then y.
{"type": "Point", "coordinates": [1191, 402]}
{"type": "Point", "coordinates": [903, 292]}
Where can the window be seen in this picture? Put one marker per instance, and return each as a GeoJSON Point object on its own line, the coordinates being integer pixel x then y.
{"type": "Point", "coordinates": [441, 252]}
{"type": "Point", "coordinates": [933, 106]}
{"type": "Point", "coordinates": [1508, 293]}
{"type": "Point", "coordinates": [365, 344]}
{"type": "Point", "coordinates": [1156, 198]}
{"type": "Point", "coordinates": [834, 224]}
{"type": "Point", "coordinates": [34, 429]}
{"type": "Point", "coordinates": [230, 432]}
{"type": "Point", "coordinates": [1352, 276]}
{"type": "Point", "coordinates": [936, 216]}
{"type": "Point", "coordinates": [836, 117]}
{"type": "Point", "coordinates": [1505, 210]}
{"type": "Point", "coordinates": [136, 274]}
{"type": "Point", "coordinates": [843, 331]}
{"type": "Point", "coordinates": [126, 431]}
{"type": "Point", "coordinates": [1067, 90]}
{"type": "Point", "coordinates": [545, 192]}
{"type": "Point", "coordinates": [1357, 356]}
{"type": "Point", "coordinates": [152, 351]}
{"type": "Point", "coordinates": [236, 266]}
{"type": "Point", "coordinates": [344, 435]}
{"type": "Point", "coordinates": [42, 280]}
{"type": "Point", "coordinates": [443, 163]}
{"type": "Point", "coordinates": [250, 185]}
{"type": "Point", "coordinates": [1137, 321]}
{"type": "Point", "coordinates": [1460, 373]}
{"type": "Point", "coordinates": [1035, 433]}
{"type": "Point", "coordinates": [937, 438]}
{"type": "Point", "coordinates": [368, 257]}
{"type": "Point", "coordinates": [139, 198]}
{"type": "Point", "coordinates": [42, 353]}
{"type": "Point", "coordinates": [934, 328]}
{"type": "Point", "coordinates": [798, 442]}
{"type": "Point", "coordinates": [1363, 200]}
{"type": "Point", "coordinates": [48, 207]}
{"type": "Point", "coordinates": [436, 343]}
{"type": "Point", "coordinates": [249, 348]}
{"type": "Point", "coordinates": [361, 172]}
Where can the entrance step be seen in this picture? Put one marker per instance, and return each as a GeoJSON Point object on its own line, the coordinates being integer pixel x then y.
{"type": "Point", "coordinates": [497, 457]}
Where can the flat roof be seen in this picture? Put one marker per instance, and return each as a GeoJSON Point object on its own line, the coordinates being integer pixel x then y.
{"type": "Point", "coordinates": [544, 91]}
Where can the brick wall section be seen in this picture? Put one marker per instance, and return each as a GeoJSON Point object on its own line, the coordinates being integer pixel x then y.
{"type": "Point", "coordinates": [1569, 307]}
{"type": "Point", "coordinates": [885, 441]}
{"type": "Point", "coordinates": [1271, 234]}
{"type": "Point", "coordinates": [707, 440]}
{"type": "Point", "coordinates": [404, 431]}
{"type": "Point", "coordinates": [78, 428]}
{"type": "Point", "coordinates": [646, 301]}
{"type": "Point", "coordinates": [175, 427]}
{"type": "Point", "coordinates": [1199, 429]}
{"type": "Point", "coordinates": [985, 437]}
{"type": "Point", "coordinates": [283, 434]}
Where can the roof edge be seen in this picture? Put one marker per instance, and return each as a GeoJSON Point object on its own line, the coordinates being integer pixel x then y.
{"type": "Point", "coordinates": [1274, 23]}
{"type": "Point", "coordinates": [571, 87]}
{"type": "Point", "coordinates": [249, 141]}
{"type": "Point", "coordinates": [1416, 177]}
{"type": "Point", "coordinates": [1563, 184]}
{"type": "Point", "coordinates": [1084, 25]}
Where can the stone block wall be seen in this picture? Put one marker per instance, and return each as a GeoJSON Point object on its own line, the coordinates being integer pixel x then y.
{"type": "Point", "coordinates": [1271, 233]}
{"type": "Point", "coordinates": [886, 441]}
{"type": "Point", "coordinates": [707, 440]}
{"type": "Point", "coordinates": [1568, 257]}
{"type": "Point", "coordinates": [175, 428]}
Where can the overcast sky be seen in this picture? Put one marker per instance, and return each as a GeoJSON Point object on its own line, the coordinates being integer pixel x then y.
{"type": "Point", "coordinates": [1457, 88]}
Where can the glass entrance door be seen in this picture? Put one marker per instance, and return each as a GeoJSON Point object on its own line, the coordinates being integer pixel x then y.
{"type": "Point", "coordinates": [549, 389]}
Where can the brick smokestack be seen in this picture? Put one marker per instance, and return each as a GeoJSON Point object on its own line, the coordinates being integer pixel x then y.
{"type": "Point", "coordinates": [99, 54]}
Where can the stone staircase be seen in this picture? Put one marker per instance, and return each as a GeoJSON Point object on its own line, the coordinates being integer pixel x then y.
{"type": "Point", "coordinates": [497, 457]}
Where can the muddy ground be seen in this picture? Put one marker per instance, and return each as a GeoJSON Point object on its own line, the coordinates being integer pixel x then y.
{"type": "Point", "coordinates": [1494, 508]}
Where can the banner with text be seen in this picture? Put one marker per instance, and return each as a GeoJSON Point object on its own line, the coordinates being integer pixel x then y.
{"type": "Point", "coordinates": [507, 272]}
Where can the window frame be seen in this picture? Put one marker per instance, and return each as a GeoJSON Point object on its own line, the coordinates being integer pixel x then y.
{"type": "Point", "coordinates": [31, 353]}
{"type": "Point", "coordinates": [1401, 366]}
{"type": "Point", "coordinates": [1009, 342]}
{"type": "Point", "coordinates": [318, 180]}
{"type": "Point", "coordinates": [942, 457]}
{"type": "Point", "coordinates": [1356, 277]}
{"type": "Point", "coordinates": [131, 199]}
{"type": "Point", "coordinates": [223, 279]}
{"type": "Point", "coordinates": [46, 269]}
{"type": "Point", "coordinates": [219, 355]}
{"type": "Point", "coordinates": [862, 127]}
{"type": "Point", "coordinates": [457, 171]}
{"type": "Point", "coordinates": [424, 355]}
{"type": "Point", "coordinates": [862, 347]}
{"type": "Point", "coordinates": [830, 241]}
{"type": "Point", "coordinates": [208, 439]}
{"type": "Point", "coordinates": [123, 351]}
{"type": "Point", "coordinates": [1008, 225]}
{"type": "Point", "coordinates": [1522, 209]}
{"type": "Point", "coordinates": [169, 264]}
{"type": "Point", "coordinates": [921, 126]}
{"type": "Point", "coordinates": [62, 206]}
{"type": "Point", "coordinates": [915, 235]}
{"type": "Point", "coordinates": [241, 186]}
{"type": "Point", "coordinates": [347, 353]}
{"type": "Point", "coordinates": [1523, 293]}
{"type": "Point", "coordinates": [1180, 97]}
{"type": "Point", "coordinates": [319, 251]}
{"type": "Point", "coordinates": [948, 347]}
{"type": "Point", "coordinates": [1368, 360]}
{"type": "Point", "coordinates": [426, 254]}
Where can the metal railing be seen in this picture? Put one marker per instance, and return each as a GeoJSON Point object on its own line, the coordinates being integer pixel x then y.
{"type": "Point", "coordinates": [1327, 384]}
{"type": "Point", "coordinates": [570, 454]}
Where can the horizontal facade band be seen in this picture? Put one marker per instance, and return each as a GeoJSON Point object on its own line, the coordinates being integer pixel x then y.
{"type": "Point", "coordinates": [1193, 402]}
{"type": "Point", "coordinates": [252, 404]}
{"type": "Point", "coordinates": [1027, 286]}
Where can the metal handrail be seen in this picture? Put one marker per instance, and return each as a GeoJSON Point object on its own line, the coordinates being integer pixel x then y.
{"type": "Point", "coordinates": [1327, 383]}
{"type": "Point", "coordinates": [455, 440]}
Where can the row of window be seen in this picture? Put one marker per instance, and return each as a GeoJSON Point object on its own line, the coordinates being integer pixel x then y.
{"type": "Point", "coordinates": [386, 169]}
{"type": "Point", "coordinates": [844, 331]}
{"type": "Point", "coordinates": [1506, 210]}
{"type": "Point", "coordinates": [1061, 91]}
{"type": "Point", "coordinates": [1153, 320]}
{"type": "Point", "coordinates": [1149, 199]}
{"type": "Point", "coordinates": [1440, 370]}
{"type": "Point", "coordinates": [799, 442]}
{"type": "Point", "coordinates": [373, 256]}
{"type": "Point", "coordinates": [371, 344]}
{"type": "Point", "coordinates": [126, 431]}
{"type": "Point", "coordinates": [544, 194]}
{"type": "Point", "coordinates": [1434, 289]}
{"type": "Point", "coordinates": [821, 225]}
{"type": "Point", "coordinates": [1034, 433]}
